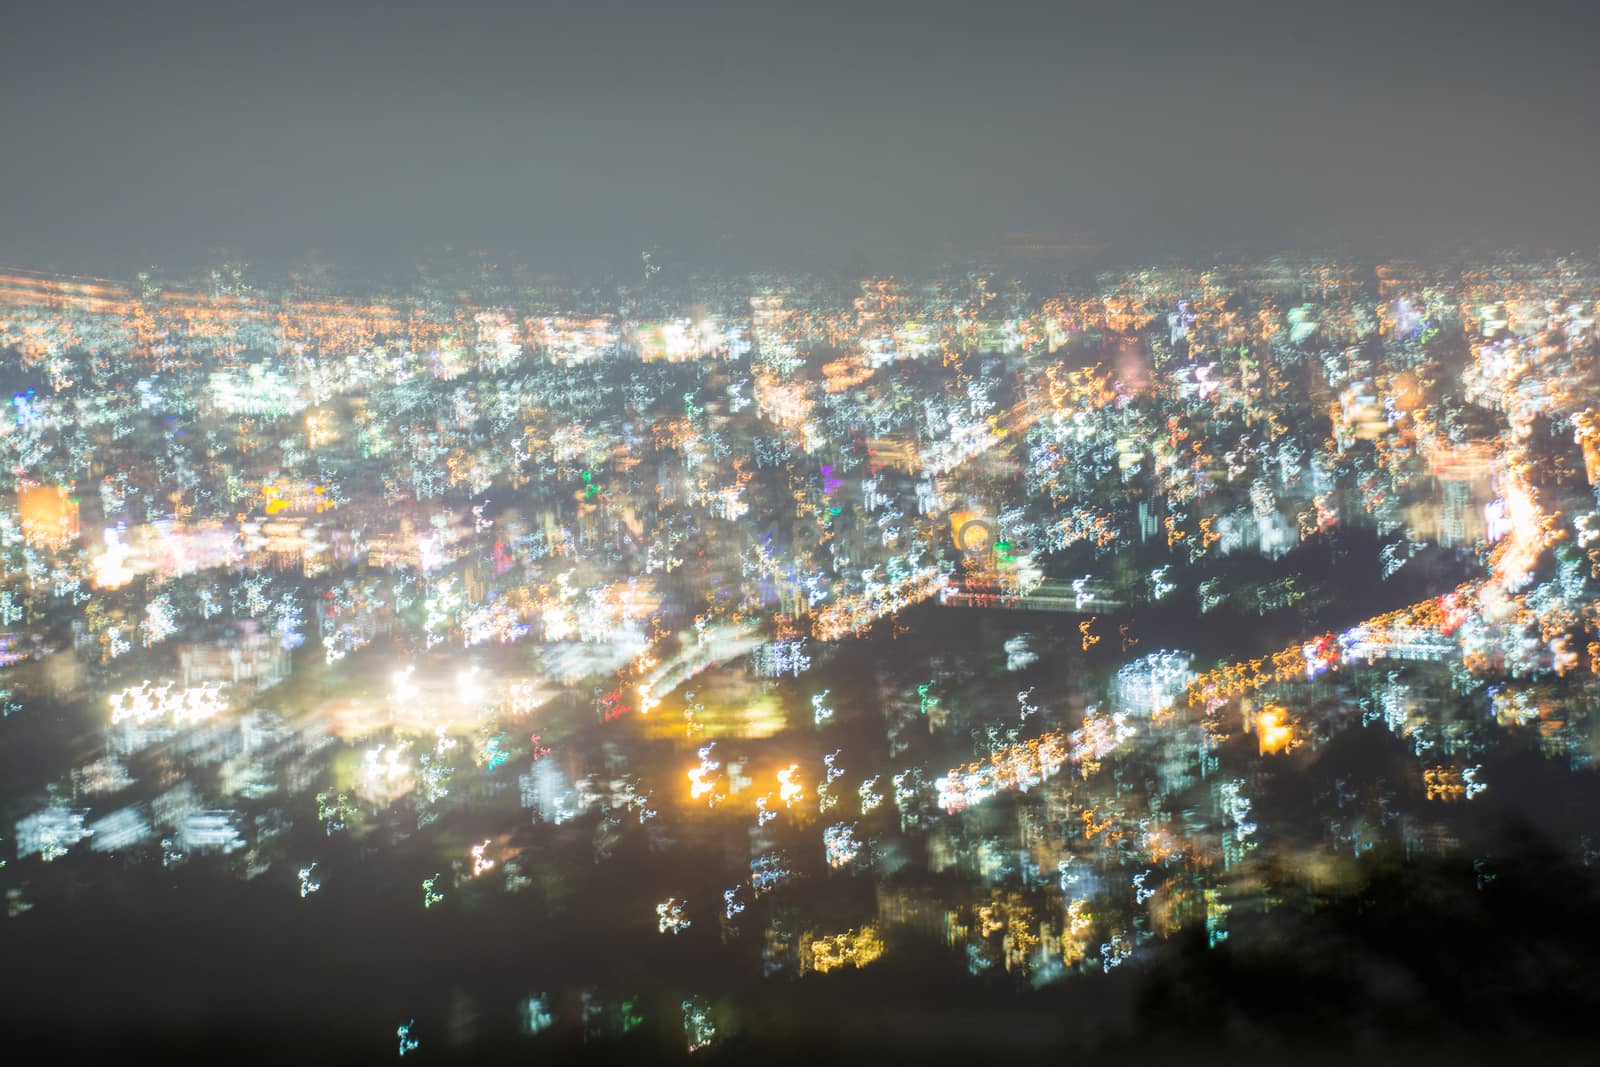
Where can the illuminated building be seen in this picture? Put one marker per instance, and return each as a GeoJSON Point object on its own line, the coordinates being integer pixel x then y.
{"type": "Point", "coordinates": [49, 514]}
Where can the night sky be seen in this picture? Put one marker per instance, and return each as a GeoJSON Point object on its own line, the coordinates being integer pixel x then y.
{"type": "Point", "coordinates": [767, 134]}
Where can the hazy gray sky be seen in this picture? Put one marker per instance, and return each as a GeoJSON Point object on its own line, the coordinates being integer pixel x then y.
{"type": "Point", "coordinates": [589, 130]}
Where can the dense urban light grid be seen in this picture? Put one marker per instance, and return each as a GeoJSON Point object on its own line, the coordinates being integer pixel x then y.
{"type": "Point", "coordinates": [1046, 626]}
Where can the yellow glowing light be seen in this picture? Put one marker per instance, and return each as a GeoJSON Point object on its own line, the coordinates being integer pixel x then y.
{"type": "Point", "coordinates": [1444, 783]}
{"type": "Point", "coordinates": [1076, 938]}
{"type": "Point", "coordinates": [274, 497]}
{"type": "Point", "coordinates": [789, 790]}
{"type": "Point", "coordinates": [49, 514]}
{"type": "Point", "coordinates": [1273, 730]}
{"type": "Point", "coordinates": [1089, 639]}
{"type": "Point", "coordinates": [853, 948]}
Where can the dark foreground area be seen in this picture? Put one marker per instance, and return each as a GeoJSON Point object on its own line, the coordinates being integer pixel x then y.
{"type": "Point", "coordinates": [1438, 960]}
